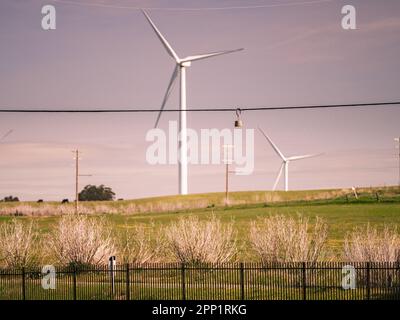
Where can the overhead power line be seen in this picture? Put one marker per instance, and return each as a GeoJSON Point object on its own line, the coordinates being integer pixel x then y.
{"type": "Point", "coordinates": [271, 5]}
{"type": "Point", "coordinates": [223, 109]}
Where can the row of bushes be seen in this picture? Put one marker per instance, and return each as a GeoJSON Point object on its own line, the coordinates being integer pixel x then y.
{"type": "Point", "coordinates": [81, 240]}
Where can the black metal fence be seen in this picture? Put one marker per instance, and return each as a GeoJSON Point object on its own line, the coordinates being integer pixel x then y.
{"type": "Point", "coordinates": [242, 281]}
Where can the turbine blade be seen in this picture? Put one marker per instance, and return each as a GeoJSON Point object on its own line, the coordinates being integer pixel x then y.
{"type": "Point", "coordinates": [167, 46]}
{"type": "Point", "coordinates": [294, 158]}
{"type": "Point", "coordinates": [167, 93]}
{"type": "Point", "coordinates": [278, 177]}
{"type": "Point", "coordinates": [209, 55]}
{"type": "Point", "coordinates": [6, 134]}
{"type": "Point", "coordinates": [273, 145]}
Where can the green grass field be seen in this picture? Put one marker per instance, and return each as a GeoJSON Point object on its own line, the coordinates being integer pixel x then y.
{"type": "Point", "coordinates": [339, 209]}
{"type": "Point", "coordinates": [198, 201]}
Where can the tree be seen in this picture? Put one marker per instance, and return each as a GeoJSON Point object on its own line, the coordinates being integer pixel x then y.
{"type": "Point", "coordinates": [96, 193]}
{"type": "Point", "coordinates": [11, 199]}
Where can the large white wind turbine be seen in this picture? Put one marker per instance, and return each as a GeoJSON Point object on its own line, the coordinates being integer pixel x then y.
{"type": "Point", "coordinates": [181, 65]}
{"type": "Point", "coordinates": [285, 161]}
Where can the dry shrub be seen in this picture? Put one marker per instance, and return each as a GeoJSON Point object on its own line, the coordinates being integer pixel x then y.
{"type": "Point", "coordinates": [286, 239]}
{"type": "Point", "coordinates": [368, 244]}
{"type": "Point", "coordinates": [78, 240]}
{"type": "Point", "coordinates": [47, 210]}
{"type": "Point", "coordinates": [37, 210]}
{"type": "Point", "coordinates": [195, 241]}
{"type": "Point", "coordinates": [17, 244]}
{"type": "Point", "coordinates": [101, 209]}
{"type": "Point", "coordinates": [137, 245]}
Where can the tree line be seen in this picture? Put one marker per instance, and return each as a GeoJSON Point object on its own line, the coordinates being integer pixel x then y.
{"type": "Point", "coordinates": [89, 193]}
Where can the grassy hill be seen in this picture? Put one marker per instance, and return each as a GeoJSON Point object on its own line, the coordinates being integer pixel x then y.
{"type": "Point", "coordinates": [203, 201]}
{"type": "Point", "coordinates": [339, 208]}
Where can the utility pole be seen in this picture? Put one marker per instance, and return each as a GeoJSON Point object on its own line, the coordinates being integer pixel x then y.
{"type": "Point", "coordinates": [77, 175]}
{"type": "Point", "coordinates": [228, 159]}
{"type": "Point", "coordinates": [76, 179]}
{"type": "Point", "coordinates": [398, 146]}
{"type": "Point", "coordinates": [226, 183]}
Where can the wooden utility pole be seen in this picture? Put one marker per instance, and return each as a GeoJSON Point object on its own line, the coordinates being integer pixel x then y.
{"type": "Point", "coordinates": [77, 175]}
{"type": "Point", "coordinates": [76, 180]}
{"type": "Point", "coordinates": [226, 184]}
{"type": "Point", "coordinates": [398, 146]}
{"type": "Point", "coordinates": [228, 159]}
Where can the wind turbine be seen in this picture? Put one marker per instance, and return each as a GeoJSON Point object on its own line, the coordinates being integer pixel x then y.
{"type": "Point", "coordinates": [285, 161]}
{"type": "Point", "coordinates": [180, 67]}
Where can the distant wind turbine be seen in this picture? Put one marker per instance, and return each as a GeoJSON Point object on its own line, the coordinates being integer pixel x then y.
{"type": "Point", "coordinates": [285, 161]}
{"type": "Point", "coordinates": [181, 65]}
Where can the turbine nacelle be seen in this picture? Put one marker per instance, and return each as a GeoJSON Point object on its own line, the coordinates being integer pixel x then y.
{"type": "Point", "coordinates": [185, 64]}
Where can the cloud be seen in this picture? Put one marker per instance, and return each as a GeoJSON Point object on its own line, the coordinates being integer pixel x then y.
{"type": "Point", "coordinates": [389, 24]}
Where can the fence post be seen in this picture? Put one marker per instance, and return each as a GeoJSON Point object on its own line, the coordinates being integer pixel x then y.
{"type": "Point", "coordinates": [368, 281]}
{"type": "Point", "coordinates": [183, 281]}
{"type": "Point", "coordinates": [241, 281]}
{"type": "Point", "coordinates": [396, 269]}
{"type": "Point", "coordinates": [23, 284]}
{"type": "Point", "coordinates": [128, 292]}
{"type": "Point", "coordinates": [304, 282]}
{"type": "Point", "coordinates": [74, 282]}
{"type": "Point", "coordinates": [112, 264]}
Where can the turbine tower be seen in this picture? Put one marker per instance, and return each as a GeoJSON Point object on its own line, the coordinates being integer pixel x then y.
{"type": "Point", "coordinates": [285, 161]}
{"type": "Point", "coordinates": [180, 67]}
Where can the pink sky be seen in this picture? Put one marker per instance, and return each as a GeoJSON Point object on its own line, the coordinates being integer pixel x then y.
{"type": "Point", "coordinates": [102, 57]}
